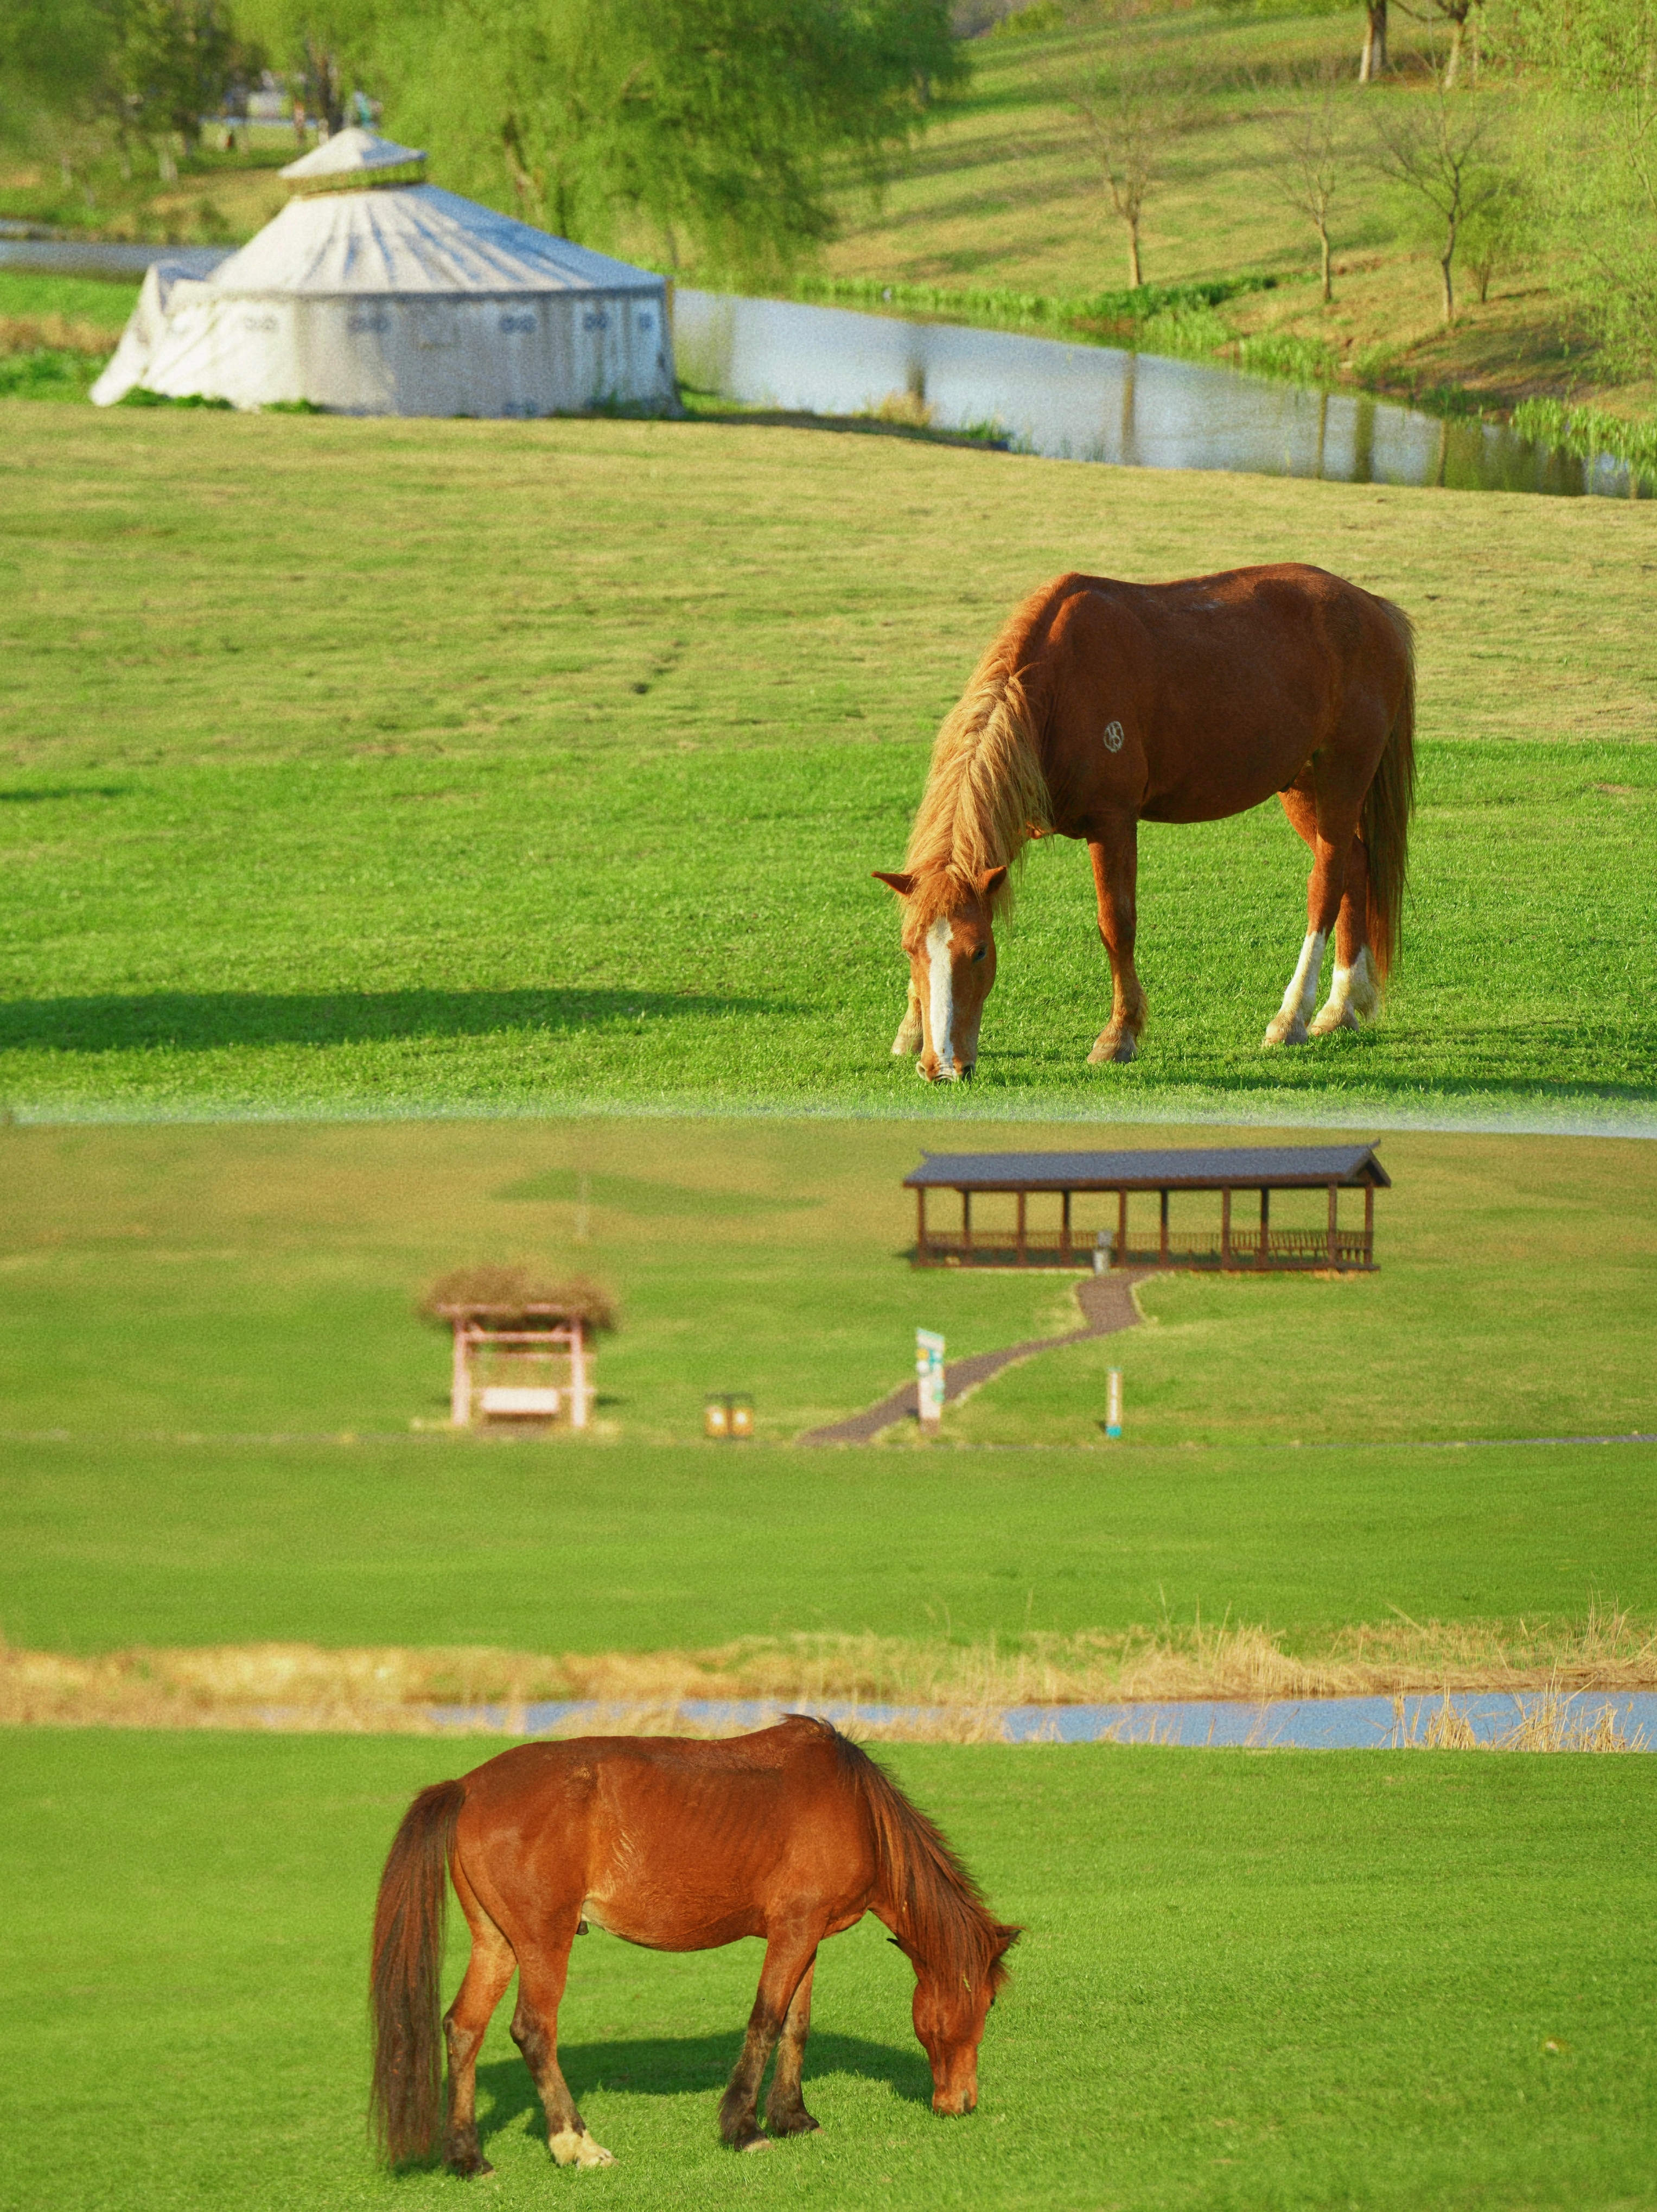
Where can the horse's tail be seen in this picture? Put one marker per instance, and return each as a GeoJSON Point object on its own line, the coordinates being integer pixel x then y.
{"type": "Point", "coordinates": [404, 1992]}
{"type": "Point", "coordinates": [1387, 805]}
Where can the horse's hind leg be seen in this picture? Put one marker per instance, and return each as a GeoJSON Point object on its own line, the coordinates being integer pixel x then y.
{"type": "Point", "coordinates": [542, 1969]}
{"type": "Point", "coordinates": [1326, 817]}
{"type": "Point", "coordinates": [482, 1988]}
{"type": "Point", "coordinates": [1355, 988]}
{"type": "Point", "coordinates": [785, 2108]}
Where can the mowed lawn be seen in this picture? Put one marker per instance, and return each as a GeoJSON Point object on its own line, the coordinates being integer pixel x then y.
{"type": "Point", "coordinates": [358, 767]}
{"type": "Point", "coordinates": [224, 1418]}
{"type": "Point", "coordinates": [1374, 1979]}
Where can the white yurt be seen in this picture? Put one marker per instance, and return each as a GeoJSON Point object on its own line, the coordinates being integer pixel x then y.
{"type": "Point", "coordinates": [374, 294]}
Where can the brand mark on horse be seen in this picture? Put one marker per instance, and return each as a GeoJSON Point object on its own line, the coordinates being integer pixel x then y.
{"type": "Point", "coordinates": [1113, 737]}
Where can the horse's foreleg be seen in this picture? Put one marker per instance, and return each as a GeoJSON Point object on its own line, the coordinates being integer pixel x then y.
{"type": "Point", "coordinates": [785, 2108]}
{"type": "Point", "coordinates": [909, 1033]}
{"type": "Point", "coordinates": [1115, 857]}
{"type": "Point", "coordinates": [788, 1958]}
{"type": "Point", "coordinates": [482, 1988]}
{"type": "Point", "coordinates": [541, 1973]}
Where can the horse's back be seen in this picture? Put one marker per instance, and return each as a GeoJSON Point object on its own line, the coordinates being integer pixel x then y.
{"type": "Point", "coordinates": [667, 1841]}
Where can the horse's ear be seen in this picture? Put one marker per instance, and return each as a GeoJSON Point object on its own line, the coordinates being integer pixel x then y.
{"type": "Point", "coordinates": [1004, 1939]}
{"type": "Point", "coordinates": [901, 884]}
{"type": "Point", "coordinates": [991, 881]}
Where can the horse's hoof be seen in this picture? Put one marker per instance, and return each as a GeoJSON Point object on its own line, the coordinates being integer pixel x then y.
{"type": "Point", "coordinates": [757, 2143]}
{"type": "Point", "coordinates": [575, 2147]}
{"type": "Point", "coordinates": [791, 2123]}
{"type": "Point", "coordinates": [1333, 1018]}
{"type": "Point", "coordinates": [1117, 1051]}
{"type": "Point", "coordinates": [1281, 1031]}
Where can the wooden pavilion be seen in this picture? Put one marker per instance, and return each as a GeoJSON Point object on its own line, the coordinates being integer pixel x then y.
{"type": "Point", "coordinates": [1254, 1171]}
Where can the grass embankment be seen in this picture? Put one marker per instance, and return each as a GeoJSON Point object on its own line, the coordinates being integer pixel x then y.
{"type": "Point", "coordinates": [358, 766]}
{"type": "Point", "coordinates": [1231, 1989]}
{"type": "Point", "coordinates": [56, 333]}
{"type": "Point", "coordinates": [1003, 197]}
{"type": "Point", "coordinates": [219, 1322]}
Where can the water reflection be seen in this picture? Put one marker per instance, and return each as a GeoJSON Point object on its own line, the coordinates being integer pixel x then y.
{"type": "Point", "coordinates": [1098, 403]}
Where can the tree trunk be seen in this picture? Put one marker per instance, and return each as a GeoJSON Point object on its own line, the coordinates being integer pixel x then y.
{"type": "Point", "coordinates": [1375, 41]}
{"type": "Point", "coordinates": [1458, 33]}
{"type": "Point", "coordinates": [1133, 276]}
{"type": "Point", "coordinates": [1449, 288]}
{"type": "Point", "coordinates": [1323, 241]}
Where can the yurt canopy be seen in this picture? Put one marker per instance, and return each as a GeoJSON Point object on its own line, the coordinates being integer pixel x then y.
{"type": "Point", "coordinates": [368, 296]}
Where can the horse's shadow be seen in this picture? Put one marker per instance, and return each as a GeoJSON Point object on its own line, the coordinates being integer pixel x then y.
{"type": "Point", "coordinates": [681, 2065]}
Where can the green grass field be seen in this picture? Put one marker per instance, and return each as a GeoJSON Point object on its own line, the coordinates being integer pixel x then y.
{"type": "Point", "coordinates": [217, 1321]}
{"type": "Point", "coordinates": [358, 766]}
{"type": "Point", "coordinates": [1366, 1980]}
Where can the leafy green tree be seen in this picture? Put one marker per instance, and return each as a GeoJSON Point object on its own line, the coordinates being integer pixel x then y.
{"type": "Point", "coordinates": [1444, 156]}
{"type": "Point", "coordinates": [723, 125]}
{"type": "Point", "coordinates": [1597, 176]}
{"type": "Point", "coordinates": [325, 48]}
{"type": "Point", "coordinates": [172, 62]}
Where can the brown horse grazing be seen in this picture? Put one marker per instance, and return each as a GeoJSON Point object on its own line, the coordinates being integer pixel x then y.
{"type": "Point", "coordinates": [792, 1834]}
{"type": "Point", "coordinates": [1102, 705]}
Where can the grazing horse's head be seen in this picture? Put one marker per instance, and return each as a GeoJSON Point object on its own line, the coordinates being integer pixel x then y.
{"type": "Point", "coordinates": [948, 933]}
{"type": "Point", "coordinates": [951, 2008]}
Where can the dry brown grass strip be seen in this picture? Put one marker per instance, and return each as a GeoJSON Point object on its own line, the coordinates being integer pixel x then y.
{"type": "Point", "coordinates": [391, 1688]}
{"type": "Point", "coordinates": [58, 333]}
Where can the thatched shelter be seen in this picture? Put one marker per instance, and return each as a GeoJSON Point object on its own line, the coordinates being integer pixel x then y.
{"type": "Point", "coordinates": [512, 1334]}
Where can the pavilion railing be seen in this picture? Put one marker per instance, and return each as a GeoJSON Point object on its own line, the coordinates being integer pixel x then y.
{"type": "Point", "coordinates": [999, 1246]}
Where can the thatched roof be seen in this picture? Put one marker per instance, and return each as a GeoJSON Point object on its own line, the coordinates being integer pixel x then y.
{"type": "Point", "coordinates": [506, 1295]}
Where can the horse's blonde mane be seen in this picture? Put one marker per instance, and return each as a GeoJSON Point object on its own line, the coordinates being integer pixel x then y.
{"type": "Point", "coordinates": [986, 794]}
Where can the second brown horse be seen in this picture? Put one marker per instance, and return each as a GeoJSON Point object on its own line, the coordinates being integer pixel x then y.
{"type": "Point", "coordinates": [792, 1834]}
{"type": "Point", "coordinates": [1104, 704]}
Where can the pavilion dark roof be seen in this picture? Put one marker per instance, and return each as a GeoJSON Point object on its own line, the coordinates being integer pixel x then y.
{"type": "Point", "coordinates": [1275, 1167]}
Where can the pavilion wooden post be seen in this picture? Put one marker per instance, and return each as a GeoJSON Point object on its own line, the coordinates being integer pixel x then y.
{"type": "Point", "coordinates": [920, 1225]}
{"type": "Point", "coordinates": [460, 1388]}
{"type": "Point", "coordinates": [1023, 1252]}
{"type": "Point", "coordinates": [1225, 1226]}
{"type": "Point", "coordinates": [1333, 1211]}
{"type": "Point", "coordinates": [1121, 1228]}
{"type": "Point", "coordinates": [966, 1224]}
{"type": "Point", "coordinates": [1265, 1225]}
{"type": "Point", "coordinates": [578, 1373]}
{"type": "Point", "coordinates": [1162, 1245]}
{"type": "Point", "coordinates": [1369, 1225]}
{"type": "Point", "coordinates": [1064, 1228]}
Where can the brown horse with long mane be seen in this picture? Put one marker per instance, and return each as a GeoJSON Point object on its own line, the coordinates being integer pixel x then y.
{"type": "Point", "coordinates": [1102, 705]}
{"type": "Point", "coordinates": [792, 1834]}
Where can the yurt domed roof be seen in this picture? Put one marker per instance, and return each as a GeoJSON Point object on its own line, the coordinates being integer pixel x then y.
{"type": "Point", "coordinates": [413, 238]}
{"type": "Point", "coordinates": [353, 152]}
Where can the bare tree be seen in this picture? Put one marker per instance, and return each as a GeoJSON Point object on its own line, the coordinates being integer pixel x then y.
{"type": "Point", "coordinates": [1312, 149]}
{"type": "Point", "coordinates": [1374, 62]}
{"type": "Point", "coordinates": [1132, 118]}
{"type": "Point", "coordinates": [1444, 159]}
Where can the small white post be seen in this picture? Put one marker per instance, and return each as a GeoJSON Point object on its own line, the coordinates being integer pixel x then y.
{"type": "Point", "coordinates": [1114, 1402]}
{"type": "Point", "coordinates": [577, 1375]}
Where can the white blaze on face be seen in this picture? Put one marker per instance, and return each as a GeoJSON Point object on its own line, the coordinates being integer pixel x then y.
{"type": "Point", "coordinates": [940, 975]}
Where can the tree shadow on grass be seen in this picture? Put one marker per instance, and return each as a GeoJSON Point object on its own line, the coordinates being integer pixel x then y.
{"type": "Point", "coordinates": [206, 1021]}
{"type": "Point", "coordinates": [676, 2066]}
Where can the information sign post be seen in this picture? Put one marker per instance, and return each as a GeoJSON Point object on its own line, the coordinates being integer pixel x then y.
{"type": "Point", "coordinates": [929, 1379]}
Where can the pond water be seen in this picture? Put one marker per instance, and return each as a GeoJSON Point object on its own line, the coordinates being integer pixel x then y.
{"type": "Point", "coordinates": [1083, 402]}
{"type": "Point", "coordinates": [1078, 403]}
{"type": "Point", "coordinates": [1283, 1724]}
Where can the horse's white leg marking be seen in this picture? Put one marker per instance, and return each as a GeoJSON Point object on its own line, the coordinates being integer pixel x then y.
{"type": "Point", "coordinates": [1354, 992]}
{"type": "Point", "coordinates": [1288, 1024]}
{"type": "Point", "coordinates": [940, 977]}
{"type": "Point", "coordinates": [575, 2147]}
{"type": "Point", "coordinates": [910, 1036]}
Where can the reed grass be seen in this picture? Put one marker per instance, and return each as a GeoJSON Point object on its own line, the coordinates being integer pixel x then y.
{"type": "Point", "coordinates": [957, 1691]}
{"type": "Point", "coordinates": [1549, 1722]}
